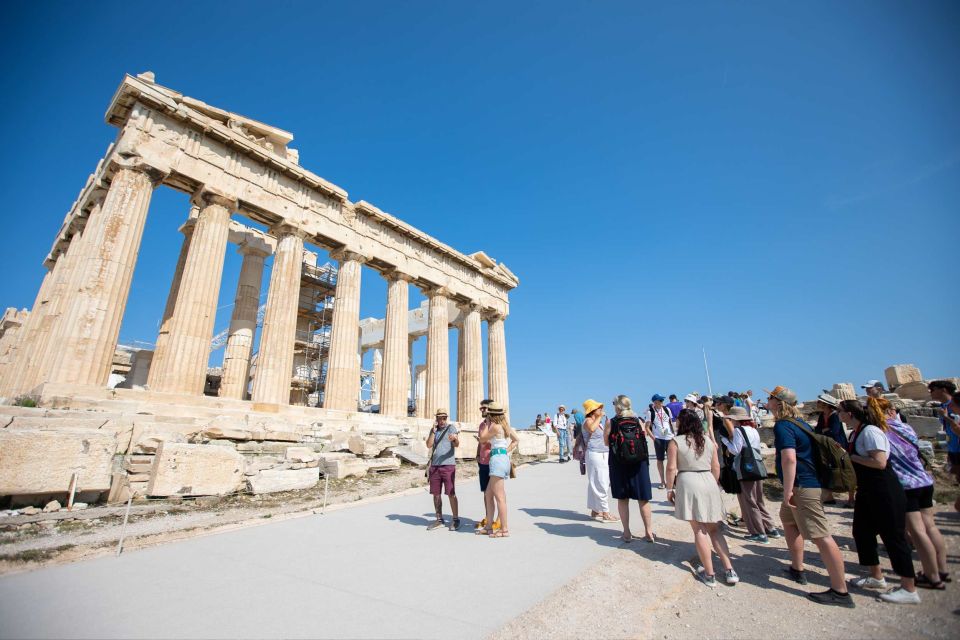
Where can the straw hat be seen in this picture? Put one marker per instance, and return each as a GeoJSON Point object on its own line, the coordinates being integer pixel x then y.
{"type": "Point", "coordinates": [589, 406]}
{"type": "Point", "coordinates": [828, 400]}
{"type": "Point", "coordinates": [739, 414]}
{"type": "Point", "coordinates": [441, 412]}
{"type": "Point", "coordinates": [494, 409]}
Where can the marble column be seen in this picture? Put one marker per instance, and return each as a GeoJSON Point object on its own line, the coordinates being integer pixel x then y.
{"type": "Point", "coordinates": [397, 348]}
{"type": "Point", "coordinates": [460, 394]}
{"type": "Point", "coordinates": [471, 390]}
{"type": "Point", "coordinates": [243, 323]}
{"type": "Point", "coordinates": [271, 382]}
{"type": "Point", "coordinates": [160, 349]}
{"type": "Point", "coordinates": [420, 389]}
{"type": "Point", "coordinates": [12, 383]}
{"type": "Point", "coordinates": [191, 325]}
{"type": "Point", "coordinates": [411, 371]}
{"type": "Point", "coordinates": [93, 321]}
{"type": "Point", "coordinates": [51, 312]}
{"type": "Point", "coordinates": [377, 376]}
{"type": "Point", "coordinates": [438, 353]}
{"type": "Point", "coordinates": [497, 362]}
{"type": "Point", "coordinates": [342, 390]}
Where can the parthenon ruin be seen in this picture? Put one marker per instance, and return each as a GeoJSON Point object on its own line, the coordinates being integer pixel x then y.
{"type": "Point", "coordinates": [61, 352]}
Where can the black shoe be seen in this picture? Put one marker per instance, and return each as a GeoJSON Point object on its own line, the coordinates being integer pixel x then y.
{"type": "Point", "coordinates": [830, 503]}
{"type": "Point", "coordinates": [797, 576]}
{"type": "Point", "coordinates": [455, 524]}
{"type": "Point", "coordinates": [832, 597]}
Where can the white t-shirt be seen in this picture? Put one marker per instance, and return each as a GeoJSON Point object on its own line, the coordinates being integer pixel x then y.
{"type": "Point", "coordinates": [736, 444]}
{"type": "Point", "coordinates": [660, 419]}
{"type": "Point", "coordinates": [871, 438]}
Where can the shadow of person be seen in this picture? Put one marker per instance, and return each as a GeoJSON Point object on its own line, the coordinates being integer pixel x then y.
{"type": "Point", "coordinates": [603, 536]}
{"type": "Point", "coordinates": [559, 514]}
{"type": "Point", "coordinates": [417, 521]}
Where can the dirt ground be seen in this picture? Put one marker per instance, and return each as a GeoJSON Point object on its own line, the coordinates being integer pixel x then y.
{"type": "Point", "coordinates": [645, 590]}
{"type": "Point", "coordinates": [30, 542]}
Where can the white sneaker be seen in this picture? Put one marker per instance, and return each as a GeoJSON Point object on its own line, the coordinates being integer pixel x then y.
{"type": "Point", "coordinates": [870, 583]}
{"type": "Point", "coordinates": [901, 596]}
{"type": "Point", "coordinates": [731, 577]}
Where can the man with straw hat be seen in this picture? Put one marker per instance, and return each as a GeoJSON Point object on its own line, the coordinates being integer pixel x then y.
{"type": "Point", "coordinates": [442, 441]}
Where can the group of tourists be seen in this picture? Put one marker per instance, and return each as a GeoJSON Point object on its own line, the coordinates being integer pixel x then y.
{"type": "Point", "coordinates": [708, 446]}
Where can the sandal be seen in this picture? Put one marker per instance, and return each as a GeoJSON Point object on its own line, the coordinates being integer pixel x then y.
{"type": "Point", "coordinates": [484, 532]}
{"type": "Point", "coordinates": [652, 537]}
{"type": "Point", "coordinates": [627, 539]}
{"type": "Point", "coordinates": [924, 582]}
{"type": "Point", "coordinates": [503, 533]}
{"type": "Point", "coordinates": [606, 517]}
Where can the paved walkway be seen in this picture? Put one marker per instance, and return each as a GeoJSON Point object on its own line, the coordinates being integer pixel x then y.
{"type": "Point", "coordinates": [367, 571]}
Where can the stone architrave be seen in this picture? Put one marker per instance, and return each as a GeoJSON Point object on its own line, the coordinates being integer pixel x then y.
{"type": "Point", "coordinates": [342, 390]}
{"type": "Point", "coordinates": [195, 470]}
{"type": "Point", "coordinates": [395, 381]}
{"type": "Point", "coordinates": [44, 461]}
{"type": "Point", "coordinates": [160, 351]}
{"type": "Point", "coordinates": [271, 383]}
{"type": "Point", "coordinates": [438, 353]}
{"type": "Point", "coordinates": [194, 314]}
{"type": "Point", "coordinates": [471, 390]}
{"type": "Point", "coordinates": [243, 323]}
{"type": "Point", "coordinates": [499, 390]}
{"type": "Point", "coordinates": [92, 325]}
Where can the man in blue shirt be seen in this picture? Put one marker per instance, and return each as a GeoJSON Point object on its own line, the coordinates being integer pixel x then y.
{"type": "Point", "coordinates": [942, 391]}
{"type": "Point", "coordinates": [802, 512]}
{"type": "Point", "coordinates": [675, 406]}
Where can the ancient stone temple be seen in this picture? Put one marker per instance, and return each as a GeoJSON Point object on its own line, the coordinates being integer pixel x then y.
{"type": "Point", "coordinates": [62, 353]}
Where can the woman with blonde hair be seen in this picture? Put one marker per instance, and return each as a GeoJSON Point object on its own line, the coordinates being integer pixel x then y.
{"type": "Point", "coordinates": [880, 508]}
{"type": "Point", "coordinates": [629, 466]}
{"type": "Point", "coordinates": [503, 440]}
{"type": "Point", "coordinates": [917, 484]}
{"type": "Point", "coordinates": [597, 455]}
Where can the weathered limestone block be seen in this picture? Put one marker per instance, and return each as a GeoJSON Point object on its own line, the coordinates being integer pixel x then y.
{"type": "Point", "coordinates": [382, 464]}
{"type": "Point", "coordinates": [914, 391]}
{"type": "Point", "coordinates": [273, 480]}
{"type": "Point", "coordinates": [843, 391]}
{"type": "Point", "coordinates": [150, 442]}
{"type": "Point", "coordinates": [468, 446]}
{"type": "Point", "coordinates": [900, 374]}
{"type": "Point", "coordinates": [301, 454]}
{"type": "Point", "coordinates": [413, 455]}
{"type": "Point", "coordinates": [342, 465]}
{"type": "Point", "coordinates": [340, 440]}
{"type": "Point", "coordinates": [195, 470]}
{"type": "Point", "coordinates": [255, 465]}
{"type": "Point", "coordinates": [370, 446]}
{"type": "Point", "coordinates": [221, 433]}
{"type": "Point", "coordinates": [925, 426]}
{"type": "Point", "coordinates": [532, 443]}
{"type": "Point", "coordinates": [41, 461]}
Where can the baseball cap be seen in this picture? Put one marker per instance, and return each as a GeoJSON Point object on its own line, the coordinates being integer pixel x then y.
{"type": "Point", "coordinates": [783, 394]}
{"type": "Point", "coordinates": [725, 400]}
{"type": "Point", "coordinates": [657, 398]}
{"type": "Point", "coordinates": [871, 384]}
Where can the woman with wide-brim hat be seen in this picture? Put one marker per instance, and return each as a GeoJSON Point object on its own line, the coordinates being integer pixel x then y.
{"type": "Point", "coordinates": [503, 440]}
{"type": "Point", "coordinates": [597, 461]}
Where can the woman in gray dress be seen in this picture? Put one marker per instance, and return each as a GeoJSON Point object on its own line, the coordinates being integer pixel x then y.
{"type": "Point", "coordinates": [692, 474]}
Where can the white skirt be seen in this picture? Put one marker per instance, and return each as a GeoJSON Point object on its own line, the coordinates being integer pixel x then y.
{"type": "Point", "coordinates": [598, 481]}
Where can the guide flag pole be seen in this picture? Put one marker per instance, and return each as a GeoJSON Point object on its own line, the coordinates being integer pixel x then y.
{"type": "Point", "coordinates": [707, 369]}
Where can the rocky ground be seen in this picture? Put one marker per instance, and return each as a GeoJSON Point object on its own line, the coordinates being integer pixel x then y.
{"type": "Point", "coordinates": [649, 591]}
{"type": "Point", "coordinates": [28, 542]}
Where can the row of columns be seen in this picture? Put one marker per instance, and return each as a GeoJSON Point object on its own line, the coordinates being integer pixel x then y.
{"type": "Point", "coordinates": [72, 332]}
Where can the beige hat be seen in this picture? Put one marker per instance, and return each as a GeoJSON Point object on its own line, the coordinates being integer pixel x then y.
{"type": "Point", "coordinates": [740, 414]}
{"type": "Point", "coordinates": [494, 409]}
{"type": "Point", "coordinates": [441, 412]}
{"type": "Point", "coordinates": [828, 400]}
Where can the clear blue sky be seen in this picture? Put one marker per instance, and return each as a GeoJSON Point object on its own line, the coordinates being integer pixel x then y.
{"type": "Point", "coordinates": [778, 182]}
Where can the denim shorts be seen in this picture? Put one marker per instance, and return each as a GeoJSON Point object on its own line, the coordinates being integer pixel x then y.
{"type": "Point", "coordinates": [500, 465]}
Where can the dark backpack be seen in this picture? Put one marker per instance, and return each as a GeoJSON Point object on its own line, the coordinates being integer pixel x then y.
{"type": "Point", "coordinates": [628, 442]}
{"type": "Point", "coordinates": [750, 468]}
{"type": "Point", "coordinates": [831, 461]}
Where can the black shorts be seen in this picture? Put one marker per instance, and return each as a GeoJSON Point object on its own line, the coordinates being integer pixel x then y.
{"type": "Point", "coordinates": [918, 499]}
{"type": "Point", "coordinates": [484, 476]}
{"type": "Point", "coordinates": [661, 448]}
{"type": "Point", "coordinates": [954, 459]}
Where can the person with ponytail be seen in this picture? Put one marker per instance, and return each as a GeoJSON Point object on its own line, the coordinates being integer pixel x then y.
{"type": "Point", "coordinates": [880, 508]}
{"type": "Point", "coordinates": [917, 484]}
{"type": "Point", "coordinates": [693, 471]}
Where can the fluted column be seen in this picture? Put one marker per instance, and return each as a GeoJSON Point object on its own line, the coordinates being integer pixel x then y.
{"type": "Point", "coordinates": [459, 387]}
{"type": "Point", "coordinates": [411, 379]}
{"type": "Point", "coordinates": [191, 325]}
{"type": "Point", "coordinates": [438, 353]}
{"type": "Point", "coordinates": [420, 389]}
{"type": "Point", "coordinates": [396, 348]}
{"type": "Point", "coordinates": [471, 390]}
{"type": "Point", "coordinates": [377, 376]}
{"type": "Point", "coordinates": [243, 323]}
{"type": "Point", "coordinates": [271, 382]}
{"type": "Point", "coordinates": [497, 362]}
{"type": "Point", "coordinates": [342, 390]}
{"type": "Point", "coordinates": [160, 349]}
{"type": "Point", "coordinates": [93, 322]}
{"type": "Point", "coordinates": [20, 359]}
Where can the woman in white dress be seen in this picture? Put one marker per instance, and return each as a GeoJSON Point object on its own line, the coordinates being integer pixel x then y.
{"type": "Point", "coordinates": [598, 470]}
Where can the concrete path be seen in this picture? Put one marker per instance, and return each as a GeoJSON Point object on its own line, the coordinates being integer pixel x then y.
{"type": "Point", "coordinates": [367, 571]}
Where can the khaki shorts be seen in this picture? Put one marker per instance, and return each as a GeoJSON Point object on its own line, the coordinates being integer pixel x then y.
{"type": "Point", "coordinates": [808, 516]}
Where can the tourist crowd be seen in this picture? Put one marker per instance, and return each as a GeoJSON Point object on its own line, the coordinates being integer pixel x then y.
{"type": "Point", "coordinates": [707, 446]}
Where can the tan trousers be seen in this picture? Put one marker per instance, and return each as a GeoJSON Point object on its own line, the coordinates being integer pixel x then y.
{"type": "Point", "coordinates": [755, 513]}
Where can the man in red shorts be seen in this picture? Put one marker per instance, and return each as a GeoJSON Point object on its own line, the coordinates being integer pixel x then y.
{"type": "Point", "coordinates": [442, 441]}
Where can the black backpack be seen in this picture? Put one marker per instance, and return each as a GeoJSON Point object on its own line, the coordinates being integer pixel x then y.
{"type": "Point", "coordinates": [628, 442]}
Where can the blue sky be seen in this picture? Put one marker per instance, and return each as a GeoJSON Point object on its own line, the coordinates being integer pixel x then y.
{"type": "Point", "coordinates": [776, 182]}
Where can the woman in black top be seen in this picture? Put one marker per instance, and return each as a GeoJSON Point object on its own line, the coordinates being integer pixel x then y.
{"type": "Point", "coordinates": [630, 480]}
